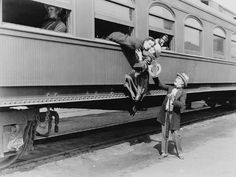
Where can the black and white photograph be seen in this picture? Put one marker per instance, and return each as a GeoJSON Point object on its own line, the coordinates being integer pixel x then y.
{"type": "Point", "coordinates": [117, 88]}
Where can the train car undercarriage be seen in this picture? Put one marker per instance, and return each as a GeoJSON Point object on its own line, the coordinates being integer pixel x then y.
{"type": "Point", "coordinates": [20, 115]}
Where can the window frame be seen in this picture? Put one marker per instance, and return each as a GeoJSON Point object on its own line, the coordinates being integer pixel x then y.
{"type": "Point", "coordinates": [130, 24]}
{"type": "Point", "coordinates": [199, 29]}
{"type": "Point", "coordinates": [232, 40]}
{"type": "Point", "coordinates": [59, 3]}
{"type": "Point", "coordinates": [36, 30]}
{"type": "Point", "coordinates": [114, 19]}
{"type": "Point", "coordinates": [160, 30]}
{"type": "Point", "coordinates": [217, 54]}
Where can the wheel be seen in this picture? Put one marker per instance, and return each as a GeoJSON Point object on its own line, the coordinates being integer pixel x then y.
{"type": "Point", "coordinates": [210, 102]}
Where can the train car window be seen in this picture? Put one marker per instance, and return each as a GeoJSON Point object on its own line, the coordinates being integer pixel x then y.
{"type": "Point", "coordinates": [192, 36]}
{"type": "Point", "coordinates": [218, 42]}
{"type": "Point", "coordinates": [113, 16]}
{"type": "Point", "coordinates": [233, 46]}
{"type": "Point", "coordinates": [161, 21]}
{"type": "Point", "coordinates": [31, 13]}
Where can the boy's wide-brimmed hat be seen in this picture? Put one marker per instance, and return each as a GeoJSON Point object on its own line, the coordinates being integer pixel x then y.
{"type": "Point", "coordinates": [184, 77]}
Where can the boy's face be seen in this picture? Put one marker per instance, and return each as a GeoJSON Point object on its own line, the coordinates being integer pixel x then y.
{"type": "Point", "coordinates": [179, 82]}
{"type": "Point", "coordinates": [151, 50]}
{"type": "Point", "coordinates": [148, 44]}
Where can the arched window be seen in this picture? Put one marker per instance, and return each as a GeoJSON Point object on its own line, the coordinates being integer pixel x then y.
{"type": "Point", "coordinates": [161, 21]}
{"type": "Point", "coordinates": [218, 41]}
{"type": "Point", "coordinates": [233, 46]}
{"type": "Point", "coordinates": [113, 16]}
{"type": "Point", "coordinates": [192, 36]}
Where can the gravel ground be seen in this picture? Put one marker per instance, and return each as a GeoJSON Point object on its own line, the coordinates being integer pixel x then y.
{"type": "Point", "coordinates": [209, 151]}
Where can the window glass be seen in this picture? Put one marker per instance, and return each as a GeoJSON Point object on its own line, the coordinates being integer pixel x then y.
{"type": "Point", "coordinates": [113, 12]}
{"type": "Point", "coordinates": [156, 22]}
{"type": "Point", "coordinates": [233, 46]}
{"type": "Point", "coordinates": [218, 45]}
{"type": "Point", "coordinates": [192, 39]}
{"type": "Point", "coordinates": [113, 16]}
{"type": "Point", "coordinates": [219, 32]}
{"type": "Point", "coordinates": [193, 23]}
{"type": "Point", "coordinates": [218, 41]}
{"type": "Point", "coordinates": [33, 14]}
{"type": "Point", "coordinates": [160, 11]}
{"type": "Point", "coordinates": [233, 49]}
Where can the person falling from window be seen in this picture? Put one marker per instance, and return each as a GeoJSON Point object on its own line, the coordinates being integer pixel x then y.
{"type": "Point", "coordinates": [169, 115]}
{"type": "Point", "coordinates": [53, 21]}
{"type": "Point", "coordinates": [146, 53]}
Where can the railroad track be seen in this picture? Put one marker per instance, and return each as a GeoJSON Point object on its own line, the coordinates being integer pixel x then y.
{"type": "Point", "coordinates": [60, 147]}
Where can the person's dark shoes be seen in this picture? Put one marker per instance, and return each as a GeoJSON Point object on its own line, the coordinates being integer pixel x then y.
{"type": "Point", "coordinates": [142, 109]}
{"type": "Point", "coordinates": [133, 110]}
{"type": "Point", "coordinates": [56, 128]}
{"type": "Point", "coordinates": [131, 113]}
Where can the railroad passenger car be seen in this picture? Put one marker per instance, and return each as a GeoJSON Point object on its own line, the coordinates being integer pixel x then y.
{"type": "Point", "coordinates": [81, 69]}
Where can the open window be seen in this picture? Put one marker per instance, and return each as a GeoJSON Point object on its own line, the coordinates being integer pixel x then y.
{"type": "Point", "coordinates": [192, 36]}
{"type": "Point", "coordinates": [219, 37]}
{"type": "Point", "coordinates": [111, 16]}
{"type": "Point", "coordinates": [161, 21]}
{"type": "Point", "coordinates": [33, 13]}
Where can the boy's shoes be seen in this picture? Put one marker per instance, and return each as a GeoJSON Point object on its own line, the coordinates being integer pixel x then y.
{"type": "Point", "coordinates": [163, 155]}
{"type": "Point", "coordinates": [181, 156]}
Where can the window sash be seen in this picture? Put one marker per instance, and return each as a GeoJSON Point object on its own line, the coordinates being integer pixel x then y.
{"type": "Point", "coordinates": [159, 23]}
{"type": "Point", "coordinates": [161, 12]}
{"type": "Point", "coordinates": [218, 44]}
{"type": "Point", "coordinates": [192, 39]}
{"type": "Point", "coordinates": [233, 49]}
{"type": "Point", "coordinates": [191, 22]}
{"type": "Point", "coordinates": [65, 4]}
{"type": "Point", "coordinates": [127, 3]}
{"type": "Point", "coordinates": [233, 38]}
{"type": "Point", "coordinates": [219, 32]}
{"type": "Point", "coordinates": [113, 12]}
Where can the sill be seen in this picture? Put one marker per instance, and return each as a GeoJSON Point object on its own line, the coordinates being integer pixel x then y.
{"type": "Point", "coordinates": [193, 52]}
{"type": "Point", "coordinates": [35, 30]}
{"type": "Point", "coordinates": [219, 56]}
{"type": "Point", "coordinates": [105, 41]}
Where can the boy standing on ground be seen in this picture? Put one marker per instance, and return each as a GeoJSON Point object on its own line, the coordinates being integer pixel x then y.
{"type": "Point", "coordinates": [170, 111]}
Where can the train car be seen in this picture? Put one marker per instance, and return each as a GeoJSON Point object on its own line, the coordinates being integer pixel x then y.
{"type": "Point", "coordinates": [79, 68]}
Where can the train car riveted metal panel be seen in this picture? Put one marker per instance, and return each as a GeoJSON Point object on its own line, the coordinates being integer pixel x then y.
{"type": "Point", "coordinates": [30, 62]}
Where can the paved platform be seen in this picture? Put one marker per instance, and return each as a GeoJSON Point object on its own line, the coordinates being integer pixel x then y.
{"type": "Point", "coordinates": [209, 151]}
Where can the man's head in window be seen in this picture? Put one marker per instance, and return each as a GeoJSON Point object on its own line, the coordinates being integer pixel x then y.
{"type": "Point", "coordinates": [53, 21]}
{"type": "Point", "coordinates": [53, 11]}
